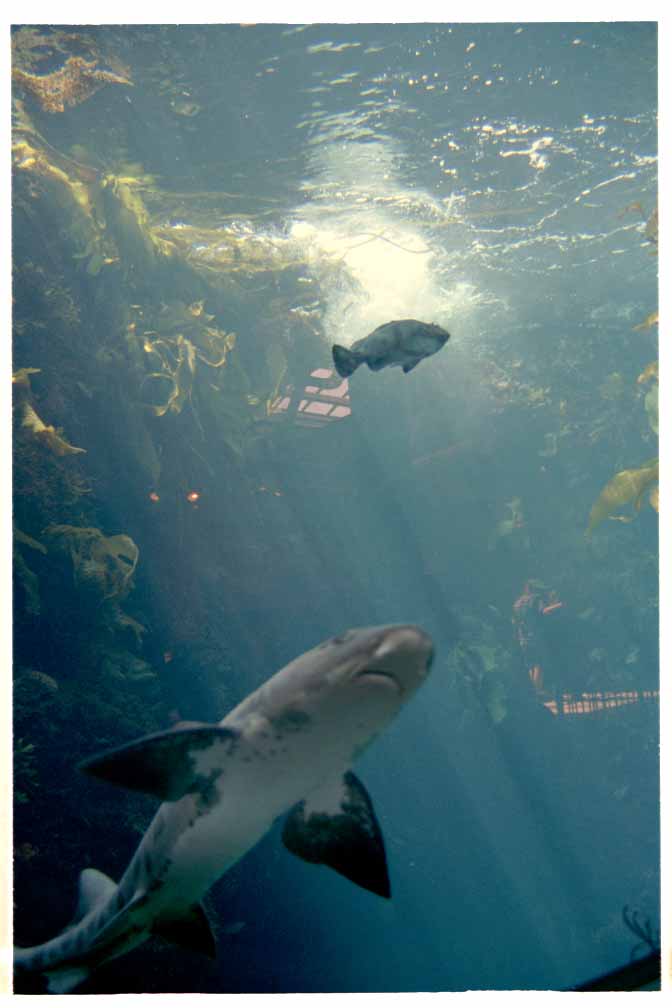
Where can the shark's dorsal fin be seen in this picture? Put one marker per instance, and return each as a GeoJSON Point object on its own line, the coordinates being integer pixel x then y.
{"type": "Point", "coordinates": [191, 930]}
{"type": "Point", "coordinates": [94, 888]}
{"type": "Point", "coordinates": [337, 826]}
{"type": "Point", "coordinates": [163, 764]}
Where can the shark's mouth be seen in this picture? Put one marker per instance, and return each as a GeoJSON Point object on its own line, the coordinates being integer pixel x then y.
{"type": "Point", "coordinates": [375, 675]}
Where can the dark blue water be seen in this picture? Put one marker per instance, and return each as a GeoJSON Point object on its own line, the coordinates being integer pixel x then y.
{"type": "Point", "coordinates": [313, 182]}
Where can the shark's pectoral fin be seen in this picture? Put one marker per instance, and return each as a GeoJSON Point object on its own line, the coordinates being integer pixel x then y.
{"type": "Point", "coordinates": [191, 930]}
{"type": "Point", "coordinates": [409, 367]}
{"type": "Point", "coordinates": [163, 764]}
{"type": "Point", "coordinates": [337, 826]}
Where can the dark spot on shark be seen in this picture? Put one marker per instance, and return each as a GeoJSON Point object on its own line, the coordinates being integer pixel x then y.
{"type": "Point", "coordinates": [290, 721]}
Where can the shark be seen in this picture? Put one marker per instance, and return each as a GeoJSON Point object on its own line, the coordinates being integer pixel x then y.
{"type": "Point", "coordinates": [288, 748]}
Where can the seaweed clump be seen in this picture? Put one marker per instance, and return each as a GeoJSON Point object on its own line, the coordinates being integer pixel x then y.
{"type": "Point", "coordinates": [76, 80]}
{"type": "Point", "coordinates": [628, 486]}
{"type": "Point", "coordinates": [101, 564]}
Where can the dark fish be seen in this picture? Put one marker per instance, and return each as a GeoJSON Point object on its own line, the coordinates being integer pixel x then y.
{"type": "Point", "coordinates": [404, 343]}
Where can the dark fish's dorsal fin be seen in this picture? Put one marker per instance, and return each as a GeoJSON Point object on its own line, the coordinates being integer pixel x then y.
{"type": "Point", "coordinates": [337, 826]}
{"type": "Point", "coordinates": [164, 764]}
{"type": "Point", "coordinates": [191, 930]}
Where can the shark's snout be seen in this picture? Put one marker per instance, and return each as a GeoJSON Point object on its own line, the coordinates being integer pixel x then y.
{"type": "Point", "coordinates": [401, 658]}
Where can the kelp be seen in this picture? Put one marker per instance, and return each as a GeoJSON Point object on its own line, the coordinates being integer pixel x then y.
{"type": "Point", "coordinates": [27, 577]}
{"type": "Point", "coordinates": [622, 489]}
{"type": "Point", "coordinates": [173, 340]}
{"type": "Point", "coordinates": [651, 407]}
{"type": "Point", "coordinates": [181, 377]}
{"type": "Point", "coordinates": [74, 195]}
{"type": "Point", "coordinates": [649, 372]}
{"type": "Point", "coordinates": [650, 221]}
{"type": "Point", "coordinates": [651, 226]}
{"type": "Point", "coordinates": [126, 622]}
{"type": "Point", "coordinates": [29, 581]}
{"type": "Point", "coordinates": [21, 382]}
{"type": "Point", "coordinates": [47, 433]}
{"type": "Point", "coordinates": [105, 214]}
{"type": "Point", "coordinates": [73, 191]}
{"type": "Point", "coordinates": [508, 526]}
{"type": "Point", "coordinates": [613, 387]}
{"type": "Point", "coordinates": [74, 82]}
{"type": "Point", "coordinates": [648, 322]}
{"type": "Point", "coordinates": [32, 423]}
{"type": "Point", "coordinates": [486, 670]}
{"type": "Point", "coordinates": [127, 668]}
{"type": "Point", "coordinates": [105, 564]}
{"type": "Point", "coordinates": [180, 373]}
{"type": "Point", "coordinates": [26, 540]}
{"type": "Point", "coordinates": [139, 245]}
{"type": "Point", "coordinates": [235, 248]}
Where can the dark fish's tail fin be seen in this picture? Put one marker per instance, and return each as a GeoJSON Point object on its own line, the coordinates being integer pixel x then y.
{"type": "Point", "coordinates": [345, 361]}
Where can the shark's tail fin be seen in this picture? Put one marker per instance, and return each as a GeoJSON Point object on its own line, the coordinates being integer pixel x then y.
{"type": "Point", "coordinates": [345, 361]}
{"type": "Point", "coordinates": [52, 966]}
{"type": "Point", "coordinates": [31, 979]}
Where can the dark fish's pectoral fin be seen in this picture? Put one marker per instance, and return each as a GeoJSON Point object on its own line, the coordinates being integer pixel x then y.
{"type": "Point", "coordinates": [345, 361]}
{"type": "Point", "coordinates": [337, 826]}
{"type": "Point", "coordinates": [164, 764]}
{"type": "Point", "coordinates": [191, 930]}
{"type": "Point", "coordinates": [409, 367]}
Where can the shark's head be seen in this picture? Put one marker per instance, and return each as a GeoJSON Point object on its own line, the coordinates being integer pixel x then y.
{"type": "Point", "coordinates": [350, 686]}
{"type": "Point", "coordinates": [394, 658]}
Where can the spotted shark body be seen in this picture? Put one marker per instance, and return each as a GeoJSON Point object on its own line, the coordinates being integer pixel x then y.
{"type": "Point", "coordinates": [288, 747]}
